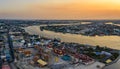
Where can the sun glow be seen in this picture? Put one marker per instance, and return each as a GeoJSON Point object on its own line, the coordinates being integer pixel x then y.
{"type": "Point", "coordinates": [61, 9]}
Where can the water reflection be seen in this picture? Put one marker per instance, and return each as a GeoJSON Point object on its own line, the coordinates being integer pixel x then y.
{"type": "Point", "coordinates": [109, 41]}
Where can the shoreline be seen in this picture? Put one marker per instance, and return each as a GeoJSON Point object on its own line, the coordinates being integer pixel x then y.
{"type": "Point", "coordinates": [108, 41]}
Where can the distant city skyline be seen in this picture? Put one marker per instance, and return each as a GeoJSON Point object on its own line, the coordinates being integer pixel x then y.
{"type": "Point", "coordinates": [60, 9]}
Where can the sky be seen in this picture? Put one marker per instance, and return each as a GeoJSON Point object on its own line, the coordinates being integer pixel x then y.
{"type": "Point", "coordinates": [60, 9]}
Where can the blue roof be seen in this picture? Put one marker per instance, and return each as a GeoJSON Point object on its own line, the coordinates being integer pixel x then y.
{"type": "Point", "coordinates": [97, 53]}
{"type": "Point", "coordinates": [66, 58]}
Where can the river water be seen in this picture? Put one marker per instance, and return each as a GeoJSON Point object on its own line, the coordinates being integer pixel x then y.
{"type": "Point", "coordinates": [108, 41]}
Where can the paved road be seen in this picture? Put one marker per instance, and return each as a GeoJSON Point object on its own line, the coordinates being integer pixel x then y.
{"type": "Point", "coordinates": [12, 65]}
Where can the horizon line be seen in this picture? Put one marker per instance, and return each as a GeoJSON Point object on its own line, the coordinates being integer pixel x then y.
{"type": "Point", "coordinates": [54, 19]}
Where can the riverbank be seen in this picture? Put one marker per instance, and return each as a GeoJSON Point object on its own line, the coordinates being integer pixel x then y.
{"type": "Point", "coordinates": [109, 41]}
{"type": "Point", "coordinates": [86, 29]}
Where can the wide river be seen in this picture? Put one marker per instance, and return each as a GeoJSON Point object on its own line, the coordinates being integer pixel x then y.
{"type": "Point", "coordinates": [108, 41]}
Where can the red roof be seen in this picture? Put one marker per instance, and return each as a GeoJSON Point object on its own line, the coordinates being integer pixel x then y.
{"type": "Point", "coordinates": [6, 67]}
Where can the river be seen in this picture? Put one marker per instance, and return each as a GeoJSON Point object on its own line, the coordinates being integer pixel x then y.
{"type": "Point", "coordinates": [108, 41]}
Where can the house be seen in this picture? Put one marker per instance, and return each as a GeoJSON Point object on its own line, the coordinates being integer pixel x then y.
{"type": "Point", "coordinates": [108, 61]}
{"type": "Point", "coordinates": [84, 58]}
{"type": "Point", "coordinates": [41, 63]}
{"type": "Point", "coordinates": [27, 53]}
{"type": "Point", "coordinates": [59, 51]}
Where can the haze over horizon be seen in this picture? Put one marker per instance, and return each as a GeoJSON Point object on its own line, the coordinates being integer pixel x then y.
{"type": "Point", "coordinates": [60, 9]}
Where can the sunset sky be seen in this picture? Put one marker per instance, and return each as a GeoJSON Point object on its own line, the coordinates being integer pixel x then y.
{"type": "Point", "coordinates": [60, 9]}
